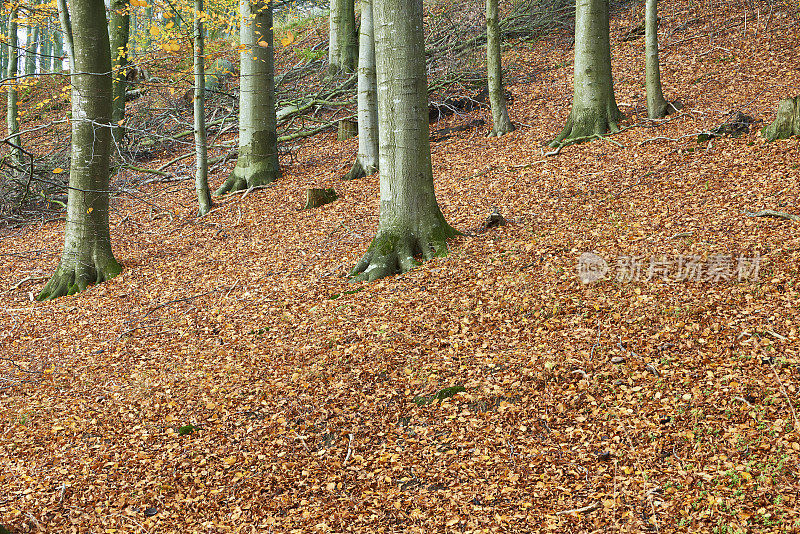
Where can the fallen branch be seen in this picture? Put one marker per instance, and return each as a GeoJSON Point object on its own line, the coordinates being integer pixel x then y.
{"type": "Point", "coordinates": [28, 279]}
{"type": "Point", "coordinates": [585, 509]}
{"type": "Point", "coordinates": [158, 172]}
{"type": "Point", "coordinates": [774, 214]}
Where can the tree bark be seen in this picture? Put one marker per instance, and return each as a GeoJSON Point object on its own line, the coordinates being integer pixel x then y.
{"type": "Point", "coordinates": [594, 108]}
{"type": "Point", "coordinates": [343, 45]}
{"type": "Point", "coordinates": [410, 225]}
{"type": "Point", "coordinates": [119, 36]}
{"type": "Point", "coordinates": [657, 106]}
{"type": "Point", "coordinates": [31, 51]}
{"type": "Point", "coordinates": [501, 124]}
{"type": "Point", "coordinates": [257, 163]}
{"type": "Point", "coordinates": [87, 256]}
{"type": "Point", "coordinates": [787, 121]}
{"type": "Point", "coordinates": [12, 115]}
{"type": "Point", "coordinates": [66, 27]}
{"type": "Point", "coordinates": [4, 49]}
{"type": "Point", "coordinates": [58, 50]}
{"type": "Point", "coordinates": [201, 175]}
{"type": "Point", "coordinates": [367, 159]}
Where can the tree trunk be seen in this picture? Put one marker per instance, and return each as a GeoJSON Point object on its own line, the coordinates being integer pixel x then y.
{"type": "Point", "coordinates": [501, 124]}
{"type": "Point", "coordinates": [31, 52]}
{"type": "Point", "coordinates": [594, 108]}
{"type": "Point", "coordinates": [46, 49]}
{"type": "Point", "coordinates": [119, 34]}
{"type": "Point", "coordinates": [148, 22]}
{"type": "Point", "coordinates": [787, 121]}
{"type": "Point", "coordinates": [4, 49]}
{"type": "Point", "coordinates": [66, 28]}
{"type": "Point", "coordinates": [87, 256]}
{"type": "Point", "coordinates": [58, 51]}
{"type": "Point", "coordinates": [343, 45]}
{"type": "Point", "coordinates": [12, 116]}
{"type": "Point", "coordinates": [201, 175]}
{"type": "Point", "coordinates": [257, 163]}
{"type": "Point", "coordinates": [367, 158]}
{"type": "Point", "coordinates": [657, 106]}
{"type": "Point", "coordinates": [411, 225]}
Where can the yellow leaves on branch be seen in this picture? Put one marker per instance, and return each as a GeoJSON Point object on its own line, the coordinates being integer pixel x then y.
{"type": "Point", "coordinates": [138, 3]}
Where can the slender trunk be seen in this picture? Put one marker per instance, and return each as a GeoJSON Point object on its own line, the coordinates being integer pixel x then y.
{"type": "Point", "coordinates": [12, 116]}
{"type": "Point", "coordinates": [594, 108]}
{"type": "Point", "coordinates": [501, 124]}
{"type": "Point", "coordinates": [410, 225]}
{"type": "Point", "coordinates": [201, 176]}
{"type": "Point", "coordinates": [148, 19]}
{"type": "Point", "coordinates": [4, 49]}
{"type": "Point", "coordinates": [46, 49]}
{"type": "Point", "coordinates": [31, 51]}
{"type": "Point", "coordinates": [58, 51]}
{"type": "Point", "coordinates": [257, 163]}
{"type": "Point", "coordinates": [119, 36]}
{"type": "Point", "coordinates": [343, 40]}
{"type": "Point", "coordinates": [87, 256]}
{"type": "Point", "coordinates": [657, 106]}
{"type": "Point", "coordinates": [367, 159]}
{"type": "Point", "coordinates": [66, 28]}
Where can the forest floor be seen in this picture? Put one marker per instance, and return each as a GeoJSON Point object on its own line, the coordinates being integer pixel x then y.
{"type": "Point", "coordinates": [232, 380]}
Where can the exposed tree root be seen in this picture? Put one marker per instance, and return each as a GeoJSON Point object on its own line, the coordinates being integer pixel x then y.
{"type": "Point", "coordinates": [587, 126]}
{"type": "Point", "coordinates": [244, 178]}
{"type": "Point", "coordinates": [508, 128]}
{"type": "Point", "coordinates": [395, 251]}
{"type": "Point", "coordinates": [77, 276]}
{"type": "Point", "coordinates": [358, 171]}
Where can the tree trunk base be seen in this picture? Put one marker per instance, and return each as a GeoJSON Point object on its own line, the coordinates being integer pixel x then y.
{"type": "Point", "coordinates": [396, 251]}
{"type": "Point", "coordinates": [319, 197]}
{"type": "Point", "coordinates": [501, 130]}
{"type": "Point", "coordinates": [586, 124]}
{"type": "Point", "coordinates": [243, 178]}
{"type": "Point", "coordinates": [77, 276]}
{"type": "Point", "coordinates": [358, 171]}
{"type": "Point", "coordinates": [787, 121]}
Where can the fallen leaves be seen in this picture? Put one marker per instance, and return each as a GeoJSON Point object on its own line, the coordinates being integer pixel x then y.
{"type": "Point", "coordinates": [259, 389]}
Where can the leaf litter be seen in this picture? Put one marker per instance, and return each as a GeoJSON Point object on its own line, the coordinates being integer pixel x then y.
{"type": "Point", "coordinates": [232, 380]}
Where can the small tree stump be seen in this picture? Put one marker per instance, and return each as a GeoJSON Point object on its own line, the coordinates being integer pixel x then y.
{"type": "Point", "coordinates": [319, 197]}
{"type": "Point", "coordinates": [347, 129]}
{"type": "Point", "coordinates": [787, 121]}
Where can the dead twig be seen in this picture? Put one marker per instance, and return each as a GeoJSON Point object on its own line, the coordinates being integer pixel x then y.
{"type": "Point", "coordinates": [582, 510]}
{"type": "Point", "coordinates": [774, 214]}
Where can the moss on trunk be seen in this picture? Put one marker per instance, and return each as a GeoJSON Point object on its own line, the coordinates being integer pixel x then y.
{"type": "Point", "coordinates": [87, 258]}
{"type": "Point", "coordinates": [787, 121]}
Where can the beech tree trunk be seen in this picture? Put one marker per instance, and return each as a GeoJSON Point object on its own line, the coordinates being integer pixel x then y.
{"type": "Point", "coordinates": [501, 124]}
{"type": "Point", "coordinates": [119, 34]}
{"type": "Point", "coordinates": [66, 28]}
{"type": "Point", "coordinates": [12, 115]}
{"type": "Point", "coordinates": [257, 163]}
{"type": "Point", "coordinates": [411, 225]}
{"type": "Point", "coordinates": [58, 50]}
{"type": "Point", "coordinates": [31, 52]}
{"type": "Point", "coordinates": [657, 106]}
{"type": "Point", "coordinates": [594, 108]}
{"type": "Point", "coordinates": [201, 148]}
{"type": "Point", "coordinates": [367, 159]}
{"type": "Point", "coordinates": [343, 40]}
{"type": "Point", "coordinates": [87, 256]}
